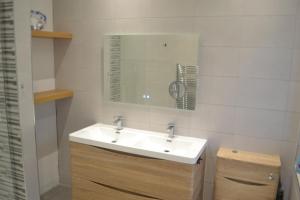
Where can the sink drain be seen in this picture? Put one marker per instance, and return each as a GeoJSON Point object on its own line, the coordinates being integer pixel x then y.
{"type": "Point", "coordinates": [166, 151]}
{"type": "Point", "coordinates": [114, 141]}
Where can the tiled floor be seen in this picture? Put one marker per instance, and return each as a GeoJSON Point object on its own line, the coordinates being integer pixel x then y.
{"type": "Point", "coordinates": [58, 193]}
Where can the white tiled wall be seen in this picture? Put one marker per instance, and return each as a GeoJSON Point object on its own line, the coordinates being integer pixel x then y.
{"type": "Point", "coordinates": [248, 94]}
{"type": "Point", "coordinates": [45, 114]}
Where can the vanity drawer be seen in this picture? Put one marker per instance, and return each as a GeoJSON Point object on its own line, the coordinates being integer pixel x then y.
{"type": "Point", "coordinates": [141, 175]}
{"type": "Point", "coordinates": [235, 189]}
{"type": "Point", "coordinates": [88, 190]}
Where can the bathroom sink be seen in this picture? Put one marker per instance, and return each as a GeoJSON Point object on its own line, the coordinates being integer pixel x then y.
{"type": "Point", "coordinates": [146, 143]}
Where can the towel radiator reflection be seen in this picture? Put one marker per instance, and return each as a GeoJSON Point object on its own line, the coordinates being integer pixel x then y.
{"type": "Point", "coordinates": [183, 90]}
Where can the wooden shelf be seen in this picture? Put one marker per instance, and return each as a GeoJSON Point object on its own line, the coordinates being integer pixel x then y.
{"type": "Point", "coordinates": [52, 95]}
{"type": "Point", "coordinates": [51, 35]}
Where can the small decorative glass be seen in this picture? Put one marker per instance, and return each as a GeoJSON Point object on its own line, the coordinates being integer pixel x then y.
{"type": "Point", "coordinates": [38, 20]}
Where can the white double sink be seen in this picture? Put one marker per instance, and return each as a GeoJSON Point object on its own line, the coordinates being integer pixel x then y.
{"type": "Point", "coordinates": [146, 143]}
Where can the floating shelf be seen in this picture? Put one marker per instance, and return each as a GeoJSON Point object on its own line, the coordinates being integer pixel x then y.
{"type": "Point", "coordinates": [51, 35]}
{"type": "Point", "coordinates": [52, 95]}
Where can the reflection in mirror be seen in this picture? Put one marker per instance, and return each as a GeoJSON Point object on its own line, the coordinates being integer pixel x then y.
{"type": "Point", "coordinates": [158, 70]}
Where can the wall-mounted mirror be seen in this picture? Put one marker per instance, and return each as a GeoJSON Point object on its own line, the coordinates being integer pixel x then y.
{"type": "Point", "coordinates": [158, 70]}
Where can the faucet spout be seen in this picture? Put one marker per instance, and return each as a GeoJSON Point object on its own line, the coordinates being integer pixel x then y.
{"type": "Point", "coordinates": [171, 130]}
{"type": "Point", "coordinates": [118, 122]}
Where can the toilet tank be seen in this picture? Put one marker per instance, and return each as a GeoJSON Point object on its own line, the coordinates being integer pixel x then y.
{"type": "Point", "coordinates": [246, 175]}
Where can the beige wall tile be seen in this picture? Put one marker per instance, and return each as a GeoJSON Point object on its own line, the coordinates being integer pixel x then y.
{"type": "Point", "coordinates": [260, 123]}
{"type": "Point", "coordinates": [294, 97]}
{"type": "Point", "coordinates": [218, 7]}
{"type": "Point", "coordinates": [217, 90]}
{"type": "Point", "coordinates": [267, 31]}
{"type": "Point", "coordinates": [219, 61]}
{"type": "Point", "coordinates": [269, 7]}
{"type": "Point", "coordinates": [262, 93]}
{"type": "Point", "coordinates": [219, 31]}
{"type": "Point", "coordinates": [266, 63]}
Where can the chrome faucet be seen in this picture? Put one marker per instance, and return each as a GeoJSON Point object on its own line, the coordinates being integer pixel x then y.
{"type": "Point", "coordinates": [171, 130]}
{"type": "Point", "coordinates": [118, 122]}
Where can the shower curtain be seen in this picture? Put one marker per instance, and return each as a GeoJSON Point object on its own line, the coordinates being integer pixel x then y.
{"type": "Point", "coordinates": [11, 165]}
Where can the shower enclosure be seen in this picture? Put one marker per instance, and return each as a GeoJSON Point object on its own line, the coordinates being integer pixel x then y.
{"type": "Point", "coordinates": [12, 184]}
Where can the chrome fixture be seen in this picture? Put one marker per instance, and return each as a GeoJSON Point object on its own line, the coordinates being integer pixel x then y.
{"type": "Point", "coordinates": [171, 131]}
{"type": "Point", "coordinates": [118, 122]}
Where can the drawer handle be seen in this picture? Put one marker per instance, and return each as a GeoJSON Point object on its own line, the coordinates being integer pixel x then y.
{"type": "Point", "coordinates": [125, 191]}
{"type": "Point", "coordinates": [199, 161]}
{"type": "Point", "coordinates": [245, 182]}
{"type": "Point", "coordinates": [271, 177]}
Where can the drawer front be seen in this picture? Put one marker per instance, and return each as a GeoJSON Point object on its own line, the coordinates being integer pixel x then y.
{"type": "Point", "coordinates": [147, 176]}
{"type": "Point", "coordinates": [247, 171]}
{"type": "Point", "coordinates": [234, 189]}
{"type": "Point", "coordinates": [87, 190]}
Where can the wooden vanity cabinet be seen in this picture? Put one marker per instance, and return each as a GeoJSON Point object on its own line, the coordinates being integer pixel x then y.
{"type": "Point", "coordinates": [105, 174]}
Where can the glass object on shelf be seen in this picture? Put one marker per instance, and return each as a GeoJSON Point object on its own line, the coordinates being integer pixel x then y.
{"type": "Point", "coordinates": [38, 20]}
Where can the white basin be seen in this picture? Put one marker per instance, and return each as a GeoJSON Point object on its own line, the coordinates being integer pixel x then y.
{"type": "Point", "coordinates": [146, 143]}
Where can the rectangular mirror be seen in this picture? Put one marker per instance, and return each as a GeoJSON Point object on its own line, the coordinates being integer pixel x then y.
{"type": "Point", "coordinates": [157, 70]}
